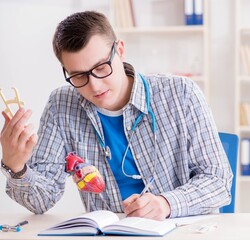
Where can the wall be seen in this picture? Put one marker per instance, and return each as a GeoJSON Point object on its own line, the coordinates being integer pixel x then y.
{"type": "Point", "coordinates": [223, 63]}
{"type": "Point", "coordinates": [28, 63]}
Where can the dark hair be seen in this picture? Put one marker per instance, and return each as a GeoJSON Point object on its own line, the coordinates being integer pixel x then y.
{"type": "Point", "coordinates": [74, 32]}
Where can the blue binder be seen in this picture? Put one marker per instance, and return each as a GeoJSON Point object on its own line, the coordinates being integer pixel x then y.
{"type": "Point", "coordinates": [189, 12]}
{"type": "Point", "coordinates": [198, 12]}
{"type": "Point", "coordinates": [194, 12]}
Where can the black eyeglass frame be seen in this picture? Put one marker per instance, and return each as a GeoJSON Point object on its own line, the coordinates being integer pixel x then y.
{"type": "Point", "coordinates": [87, 73]}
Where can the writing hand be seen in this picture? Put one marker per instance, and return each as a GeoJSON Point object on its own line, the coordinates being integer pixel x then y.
{"type": "Point", "coordinates": [17, 140]}
{"type": "Point", "coordinates": [147, 206]}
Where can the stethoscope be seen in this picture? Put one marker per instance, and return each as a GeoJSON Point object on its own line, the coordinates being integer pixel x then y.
{"type": "Point", "coordinates": [138, 119]}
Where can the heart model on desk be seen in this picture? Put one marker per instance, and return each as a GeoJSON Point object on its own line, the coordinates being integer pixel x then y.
{"type": "Point", "coordinates": [86, 176]}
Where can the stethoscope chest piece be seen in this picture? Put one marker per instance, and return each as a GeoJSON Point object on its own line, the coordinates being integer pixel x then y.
{"type": "Point", "coordinates": [107, 152]}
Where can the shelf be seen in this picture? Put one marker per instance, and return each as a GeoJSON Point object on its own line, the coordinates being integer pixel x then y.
{"type": "Point", "coordinates": [243, 178]}
{"type": "Point", "coordinates": [158, 41]}
{"type": "Point", "coordinates": [245, 30]}
{"type": "Point", "coordinates": [167, 29]}
{"type": "Point", "coordinates": [244, 129]}
{"type": "Point", "coordinates": [242, 88]}
{"type": "Point", "coordinates": [245, 79]}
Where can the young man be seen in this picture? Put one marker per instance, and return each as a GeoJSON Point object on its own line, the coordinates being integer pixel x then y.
{"type": "Point", "coordinates": [135, 129]}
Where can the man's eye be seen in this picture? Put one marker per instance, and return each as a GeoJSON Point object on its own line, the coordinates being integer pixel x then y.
{"type": "Point", "coordinates": [100, 67]}
{"type": "Point", "coordinates": [80, 76]}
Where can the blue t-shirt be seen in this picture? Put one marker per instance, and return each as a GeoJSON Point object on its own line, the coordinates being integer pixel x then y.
{"type": "Point", "coordinates": [116, 140]}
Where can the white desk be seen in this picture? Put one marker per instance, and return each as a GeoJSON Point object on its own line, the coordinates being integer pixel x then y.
{"type": "Point", "coordinates": [229, 227]}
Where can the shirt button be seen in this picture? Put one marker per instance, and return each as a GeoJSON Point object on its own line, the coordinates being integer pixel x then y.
{"type": "Point", "coordinates": [138, 156]}
{"type": "Point", "coordinates": [128, 128]}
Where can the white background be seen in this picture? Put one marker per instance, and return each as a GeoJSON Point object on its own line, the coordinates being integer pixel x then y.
{"type": "Point", "coordinates": [28, 63]}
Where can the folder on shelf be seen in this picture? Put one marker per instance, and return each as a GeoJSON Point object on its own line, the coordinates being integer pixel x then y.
{"type": "Point", "coordinates": [193, 12]}
{"type": "Point", "coordinates": [132, 14]}
{"type": "Point", "coordinates": [198, 12]}
{"type": "Point", "coordinates": [189, 12]}
{"type": "Point", "coordinates": [245, 156]}
{"type": "Point", "coordinates": [245, 114]}
{"type": "Point", "coordinates": [245, 58]}
{"type": "Point", "coordinates": [123, 13]}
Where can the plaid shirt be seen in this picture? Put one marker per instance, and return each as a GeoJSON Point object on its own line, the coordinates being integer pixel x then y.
{"type": "Point", "coordinates": [192, 171]}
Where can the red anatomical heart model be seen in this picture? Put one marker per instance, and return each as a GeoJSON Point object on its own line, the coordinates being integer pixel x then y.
{"type": "Point", "coordinates": [86, 176]}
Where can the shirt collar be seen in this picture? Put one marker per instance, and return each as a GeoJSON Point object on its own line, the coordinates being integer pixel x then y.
{"type": "Point", "coordinates": [138, 94]}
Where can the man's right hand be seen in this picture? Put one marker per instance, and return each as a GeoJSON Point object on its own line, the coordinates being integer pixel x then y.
{"type": "Point", "coordinates": [17, 140]}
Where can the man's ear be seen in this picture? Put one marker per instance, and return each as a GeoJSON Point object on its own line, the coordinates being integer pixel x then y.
{"type": "Point", "coordinates": [120, 48]}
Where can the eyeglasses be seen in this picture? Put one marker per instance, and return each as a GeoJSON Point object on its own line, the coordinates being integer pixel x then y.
{"type": "Point", "coordinates": [100, 71]}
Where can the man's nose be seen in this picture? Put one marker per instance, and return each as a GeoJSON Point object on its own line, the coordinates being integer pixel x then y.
{"type": "Point", "coordinates": [94, 82]}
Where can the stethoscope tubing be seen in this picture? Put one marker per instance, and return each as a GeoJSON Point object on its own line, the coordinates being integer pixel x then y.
{"type": "Point", "coordinates": [154, 128]}
{"type": "Point", "coordinates": [106, 149]}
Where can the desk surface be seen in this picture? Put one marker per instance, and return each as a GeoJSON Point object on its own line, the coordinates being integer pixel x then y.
{"type": "Point", "coordinates": [229, 227]}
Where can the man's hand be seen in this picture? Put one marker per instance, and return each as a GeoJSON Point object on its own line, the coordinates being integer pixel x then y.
{"type": "Point", "coordinates": [17, 140]}
{"type": "Point", "coordinates": [147, 206]}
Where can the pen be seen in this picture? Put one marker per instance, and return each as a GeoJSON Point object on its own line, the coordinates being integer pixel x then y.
{"type": "Point", "coordinates": [22, 223]}
{"type": "Point", "coordinates": [148, 185]}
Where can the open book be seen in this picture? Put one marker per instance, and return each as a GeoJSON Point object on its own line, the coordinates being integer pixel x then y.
{"type": "Point", "coordinates": [103, 222]}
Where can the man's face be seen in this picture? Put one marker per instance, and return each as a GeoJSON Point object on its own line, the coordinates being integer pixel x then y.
{"type": "Point", "coordinates": [111, 92]}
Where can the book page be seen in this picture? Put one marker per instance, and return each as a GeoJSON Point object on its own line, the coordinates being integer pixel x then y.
{"type": "Point", "coordinates": [85, 224]}
{"type": "Point", "coordinates": [102, 217]}
{"type": "Point", "coordinates": [139, 226]}
{"type": "Point", "coordinates": [144, 226]}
